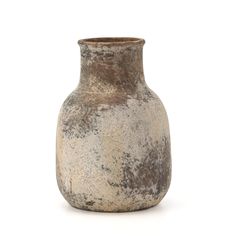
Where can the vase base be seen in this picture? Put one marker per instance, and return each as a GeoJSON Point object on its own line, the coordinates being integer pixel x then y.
{"type": "Point", "coordinates": [116, 210]}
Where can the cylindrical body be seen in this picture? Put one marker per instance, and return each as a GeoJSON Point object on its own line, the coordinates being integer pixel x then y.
{"type": "Point", "coordinates": [113, 142]}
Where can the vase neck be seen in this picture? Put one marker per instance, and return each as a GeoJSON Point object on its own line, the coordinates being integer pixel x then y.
{"type": "Point", "coordinates": [109, 66]}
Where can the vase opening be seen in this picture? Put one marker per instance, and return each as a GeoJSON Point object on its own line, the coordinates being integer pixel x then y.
{"type": "Point", "coordinates": [111, 41]}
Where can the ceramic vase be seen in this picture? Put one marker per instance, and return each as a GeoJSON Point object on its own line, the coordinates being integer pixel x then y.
{"type": "Point", "coordinates": [113, 142]}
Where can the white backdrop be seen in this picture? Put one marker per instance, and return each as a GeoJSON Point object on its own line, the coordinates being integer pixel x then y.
{"type": "Point", "coordinates": [189, 61]}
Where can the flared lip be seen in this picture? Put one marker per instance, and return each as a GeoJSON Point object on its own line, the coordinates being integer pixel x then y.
{"type": "Point", "coordinates": [111, 41]}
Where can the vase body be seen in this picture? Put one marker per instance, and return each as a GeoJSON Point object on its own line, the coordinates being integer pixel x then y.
{"type": "Point", "coordinates": [113, 142]}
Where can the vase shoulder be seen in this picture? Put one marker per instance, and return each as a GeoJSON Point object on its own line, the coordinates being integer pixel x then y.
{"type": "Point", "coordinates": [81, 110]}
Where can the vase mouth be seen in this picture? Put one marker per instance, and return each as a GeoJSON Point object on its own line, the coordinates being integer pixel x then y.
{"type": "Point", "coordinates": [111, 41]}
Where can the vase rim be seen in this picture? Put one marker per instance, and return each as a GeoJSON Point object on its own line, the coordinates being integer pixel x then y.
{"type": "Point", "coordinates": [111, 41]}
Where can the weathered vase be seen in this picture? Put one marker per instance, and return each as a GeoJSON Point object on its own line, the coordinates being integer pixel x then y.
{"type": "Point", "coordinates": [113, 142]}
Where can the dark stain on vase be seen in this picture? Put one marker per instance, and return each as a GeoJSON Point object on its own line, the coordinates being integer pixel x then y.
{"type": "Point", "coordinates": [150, 175]}
{"type": "Point", "coordinates": [90, 203]}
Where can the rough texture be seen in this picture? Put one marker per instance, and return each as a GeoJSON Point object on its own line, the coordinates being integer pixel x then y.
{"type": "Point", "coordinates": [113, 144]}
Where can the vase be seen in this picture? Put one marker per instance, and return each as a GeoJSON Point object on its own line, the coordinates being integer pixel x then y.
{"type": "Point", "coordinates": [113, 142]}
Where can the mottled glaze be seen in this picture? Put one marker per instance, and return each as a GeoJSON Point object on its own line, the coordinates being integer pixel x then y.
{"type": "Point", "coordinates": [113, 142]}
